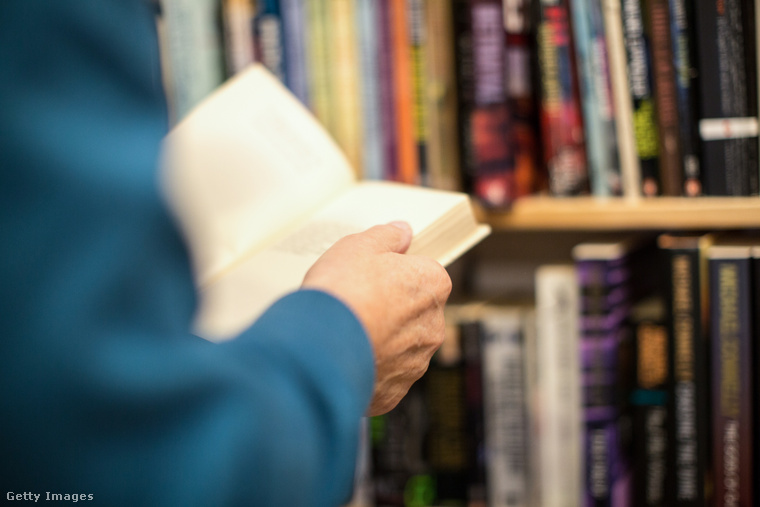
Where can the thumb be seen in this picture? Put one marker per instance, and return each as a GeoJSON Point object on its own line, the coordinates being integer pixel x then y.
{"type": "Point", "coordinates": [393, 237]}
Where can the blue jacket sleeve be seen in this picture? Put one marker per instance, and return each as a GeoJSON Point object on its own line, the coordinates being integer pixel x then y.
{"type": "Point", "coordinates": [104, 390]}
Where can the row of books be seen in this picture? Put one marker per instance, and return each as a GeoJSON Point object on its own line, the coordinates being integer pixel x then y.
{"type": "Point", "coordinates": [636, 97]}
{"type": "Point", "coordinates": [631, 378]}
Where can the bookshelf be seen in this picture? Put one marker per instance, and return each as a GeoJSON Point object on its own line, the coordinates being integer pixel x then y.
{"type": "Point", "coordinates": [543, 213]}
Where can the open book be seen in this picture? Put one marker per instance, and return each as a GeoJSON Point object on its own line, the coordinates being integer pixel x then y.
{"type": "Point", "coordinates": [261, 191]}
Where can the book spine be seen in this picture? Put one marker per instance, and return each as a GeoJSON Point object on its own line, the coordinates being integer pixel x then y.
{"type": "Point", "coordinates": [446, 441]}
{"type": "Point", "coordinates": [657, 23]}
{"type": "Point", "coordinates": [750, 30]}
{"type": "Point", "coordinates": [270, 39]}
{"type": "Point", "coordinates": [529, 177]}
{"type": "Point", "coordinates": [406, 148]}
{"type": "Point", "coordinates": [441, 95]}
{"type": "Point", "coordinates": [756, 367]}
{"type": "Point", "coordinates": [650, 419]}
{"type": "Point", "coordinates": [640, 86]}
{"type": "Point", "coordinates": [559, 107]}
{"type": "Point", "coordinates": [682, 35]}
{"type": "Point", "coordinates": [193, 51]}
{"type": "Point", "coordinates": [689, 387]}
{"type": "Point", "coordinates": [732, 384]}
{"type": "Point", "coordinates": [503, 401]}
{"type": "Point", "coordinates": [596, 102]}
{"type": "Point", "coordinates": [471, 333]}
{"type": "Point", "coordinates": [367, 13]}
{"type": "Point", "coordinates": [345, 94]}
{"type": "Point", "coordinates": [630, 169]}
{"type": "Point", "coordinates": [559, 387]}
{"type": "Point", "coordinates": [397, 447]}
{"type": "Point", "coordinates": [605, 356]}
{"type": "Point", "coordinates": [317, 62]}
{"type": "Point", "coordinates": [387, 93]}
{"type": "Point", "coordinates": [237, 22]}
{"type": "Point", "coordinates": [728, 134]}
{"type": "Point", "coordinates": [294, 28]}
{"type": "Point", "coordinates": [418, 49]}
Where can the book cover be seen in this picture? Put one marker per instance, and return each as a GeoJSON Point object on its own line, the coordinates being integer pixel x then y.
{"type": "Point", "coordinates": [590, 45]}
{"type": "Point", "coordinates": [640, 78]}
{"type": "Point", "coordinates": [657, 26]}
{"type": "Point", "coordinates": [731, 351]}
{"type": "Point", "coordinates": [689, 384]}
{"type": "Point", "coordinates": [561, 122]}
{"type": "Point", "coordinates": [486, 157]}
{"type": "Point", "coordinates": [441, 98]}
{"type": "Point", "coordinates": [559, 474]}
{"type": "Point", "coordinates": [727, 132]}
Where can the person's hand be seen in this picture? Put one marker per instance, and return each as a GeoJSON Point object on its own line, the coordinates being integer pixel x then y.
{"type": "Point", "coordinates": [398, 298]}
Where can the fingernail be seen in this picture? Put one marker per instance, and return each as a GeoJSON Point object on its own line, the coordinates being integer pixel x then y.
{"type": "Point", "coordinates": [401, 225]}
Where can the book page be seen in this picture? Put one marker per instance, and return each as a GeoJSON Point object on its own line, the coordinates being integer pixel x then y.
{"type": "Point", "coordinates": [231, 302]}
{"type": "Point", "coordinates": [246, 163]}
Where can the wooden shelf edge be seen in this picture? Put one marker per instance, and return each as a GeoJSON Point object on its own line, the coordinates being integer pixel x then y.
{"type": "Point", "coordinates": [661, 213]}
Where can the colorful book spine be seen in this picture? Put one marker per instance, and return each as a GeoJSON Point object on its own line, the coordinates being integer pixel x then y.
{"type": "Point", "coordinates": [294, 37]}
{"type": "Point", "coordinates": [689, 388]}
{"type": "Point", "coordinates": [447, 440]}
{"type": "Point", "coordinates": [731, 350]}
{"type": "Point", "coordinates": [317, 59]}
{"type": "Point", "coordinates": [487, 160]}
{"type": "Point", "coordinates": [559, 472]}
{"type": "Point", "coordinates": [418, 52]}
{"type": "Point", "coordinates": [657, 26]}
{"type": "Point", "coordinates": [622, 103]}
{"type": "Point", "coordinates": [406, 148]}
{"type": "Point", "coordinates": [728, 133]}
{"type": "Point", "coordinates": [237, 24]}
{"type": "Point", "coordinates": [560, 113]}
{"type": "Point", "coordinates": [192, 55]}
{"type": "Point", "coordinates": [682, 37]}
{"type": "Point", "coordinates": [649, 401]}
{"type": "Point", "coordinates": [387, 93]}
{"type": "Point", "coordinates": [604, 277]}
{"type": "Point", "coordinates": [596, 97]}
{"type": "Point", "coordinates": [345, 92]}
{"type": "Point", "coordinates": [270, 38]}
{"type": "Point", "coordinates": [441, 96]}
{"type": "Point", "coordinates": [640, 87]}
{"type": "Point", "coordinates": [529, 175]}
{"type": "Point", "coordinates": [504, 407]}
{"type": "Point", "coordinates": [369, 54]}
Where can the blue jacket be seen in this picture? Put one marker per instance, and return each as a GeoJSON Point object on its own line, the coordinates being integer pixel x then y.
{"type": "Point", "coordinates": [104, 390]}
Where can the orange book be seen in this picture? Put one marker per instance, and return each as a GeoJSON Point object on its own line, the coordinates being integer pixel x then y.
{"type": "Point", "coordinates": [402, 79]}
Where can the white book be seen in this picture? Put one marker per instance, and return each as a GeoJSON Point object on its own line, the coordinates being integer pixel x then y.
{"type": "Point", "coordinates": [559, 384]}
{"type": "Point", "coordinates": [261, 191]}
